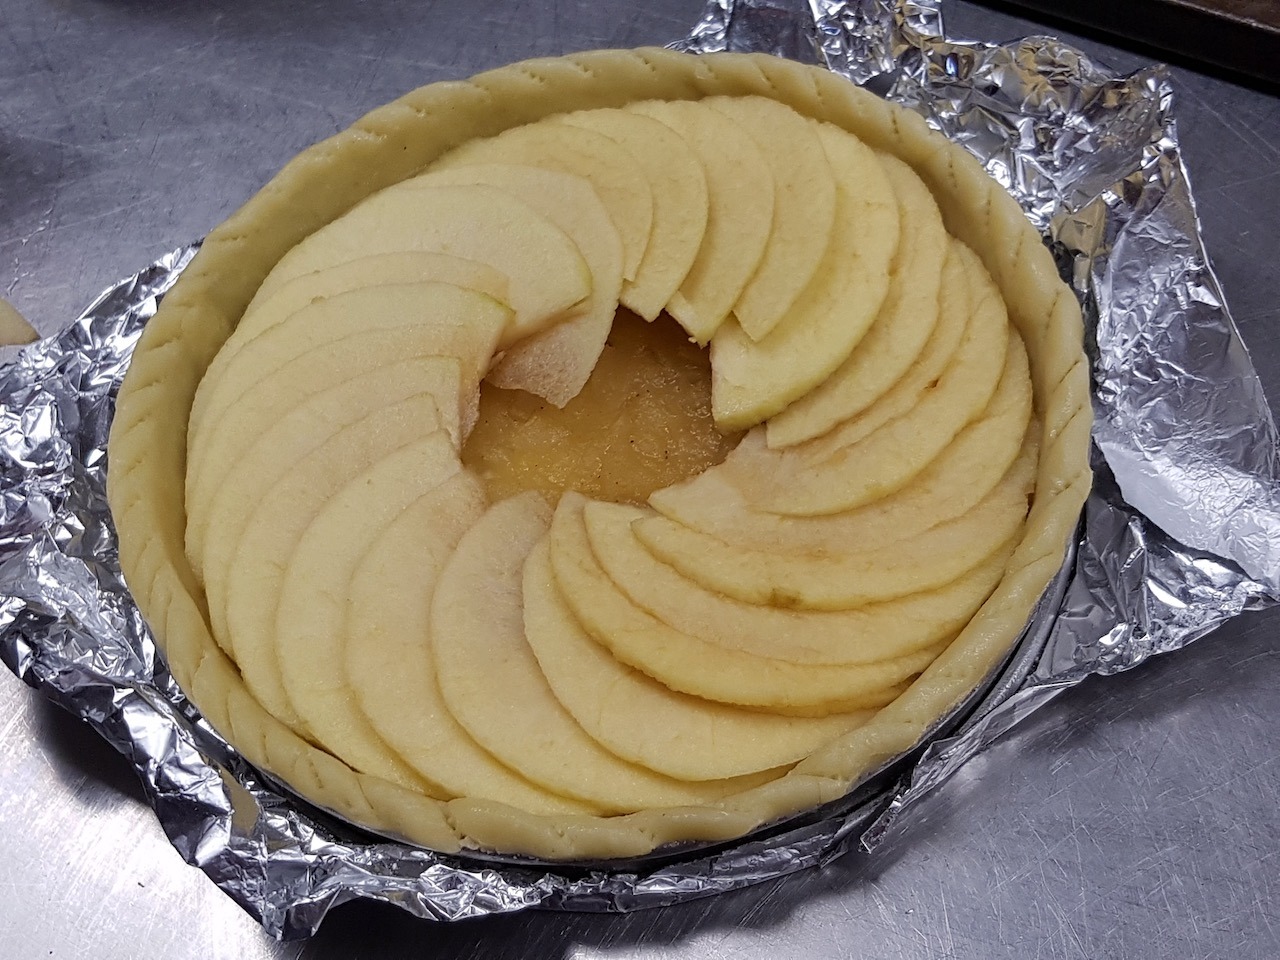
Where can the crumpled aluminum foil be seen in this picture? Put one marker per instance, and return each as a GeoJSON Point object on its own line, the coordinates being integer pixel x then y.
{"type": "Point", "coordinates": [1181, 533]}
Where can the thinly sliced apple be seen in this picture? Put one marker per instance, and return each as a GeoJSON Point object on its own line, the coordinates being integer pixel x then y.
{"type": "Point", "coordinates": [901, 329]}
{"type": "Point", "coordinates": [477, 629]}
{"type": "Point", "coordinates": [546, 274]}
{"type": "Point", "coordinates": [454, 321]}
{"type": "Point", "coordinates": [388, 660]}
{"type": "Point", "coordinates": [243, 563]}
{"type": "Point", "coordinates": [804, 208]}
{"type": "Point", "coordinates": [740, 199]}
{"type": "Point", "coordinates": [885, 460]}
{"type": "Point", "coordinates": [751, 380]}
{"type": "Point", "coordinates": [957, 304]}
{"type": "Point", "coordinates": [313, 587]}
{"type": "Point", "coordinates": [856, 574]}
{"type": "Point", "coordinates": [679, 189]}
{"type": "Point", "coordinates": [878, 631]}
{"type": "Point", "coordinates": [711, 504]}
{"type": "Point", "coordinates": [555, 363]}
{"type": "Point", "coordinates": [642, 720]}
{"type": "Point", "coordinates": [754, 466]}
{"type": "Point", "coordinates": [616, 177]}
{"type": "Point", "coordinates": [281, 390]}
{"type": "Point", "coordinates": [236, 476]}
{"type": "Point", "coordinates": [408, 266]}
{"type": "Point", "coordinates": [700, 667]}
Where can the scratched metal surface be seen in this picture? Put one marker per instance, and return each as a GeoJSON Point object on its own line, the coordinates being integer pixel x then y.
{"type": "Point", "coordinates": [1133, 818]}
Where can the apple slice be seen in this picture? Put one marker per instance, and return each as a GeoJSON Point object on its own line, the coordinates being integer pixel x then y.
{"type": "Point", "coordinates": [804, 208]}
{"type": "Point", "coordinates": [740, 201]}
{"type": "Point", "coordinates": [244, 562]}
{"type": "Point", "coordinates": [555, 363]}
{"type": "Point", "coordinates": [700, 667]}
{"type": "Point", "coordinates": [388, 659]}
{"type": "Point", "coordinates": [313, 587]}
{"type": "Point", "coordinates": [883, 461]}
{"type": "Point", "coordinates": [617, 179]}
{"type": "Point", "coordinates": [679, 189]}
{"type": "Point", "coordinates": [863, 635]}
{"type": "Point", "coordinates": [281, 391]}
{"type": "Point", "coordinates": [237, 474]}
{"type": "Point", "coordinates": [754, 466]}
{"type": "Point", "coordinates": [856, 574]}
{"type": "Point", "coordinates": [956, 305]}
{"type": "Point", "coordinates": [409, 266]}
{"type": "Point", "coordinates": [753, 380]}
{"type": "Point", "coordinates": [477, 629]}
{"type": "Point", "coordinates": [695, 739]}
{"type": "Point", "coordinates": [453, 321]}
{"type": "Point", "coordinates": [901, 329]}
{"type": "Point", "coordinates": [546, 274]}
{"type": "Point", "coordinates": [711, 504]}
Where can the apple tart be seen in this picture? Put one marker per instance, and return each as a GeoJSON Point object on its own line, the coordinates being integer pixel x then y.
{"type": "Point", "coordinates": [602, 453]}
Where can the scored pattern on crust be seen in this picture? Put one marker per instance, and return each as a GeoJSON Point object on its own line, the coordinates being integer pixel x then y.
{"type": "Point", "coordinates": [148, 443]}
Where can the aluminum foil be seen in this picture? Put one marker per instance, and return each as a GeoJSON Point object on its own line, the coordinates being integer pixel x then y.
{"type": "Point", "coordinates": [1181, 533]}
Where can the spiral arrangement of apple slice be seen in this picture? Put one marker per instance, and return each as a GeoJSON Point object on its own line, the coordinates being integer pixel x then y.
{"type": "Point", "coordinates": [587, 657]}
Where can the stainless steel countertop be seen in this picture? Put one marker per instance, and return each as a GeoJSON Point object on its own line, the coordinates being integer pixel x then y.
{"type": "Point", "coordinates": [1135, 817]}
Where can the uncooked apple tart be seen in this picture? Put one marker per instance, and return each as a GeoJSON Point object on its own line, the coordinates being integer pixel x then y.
{"type": "Point", "coordinates": [602, 453]}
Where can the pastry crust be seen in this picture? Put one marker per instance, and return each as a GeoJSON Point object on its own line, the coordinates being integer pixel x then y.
{"type": "Point", "coordinates": [14, 329]}
{"type": "Point", "coordinates": [148, 444]}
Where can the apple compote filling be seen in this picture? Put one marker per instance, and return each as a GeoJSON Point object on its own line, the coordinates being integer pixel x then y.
{"type": "Point", "coordinates": [641, 423]}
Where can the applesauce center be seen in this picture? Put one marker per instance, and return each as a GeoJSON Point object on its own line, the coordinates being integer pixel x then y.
{"type": "Point", "coordinates": [642, 422]}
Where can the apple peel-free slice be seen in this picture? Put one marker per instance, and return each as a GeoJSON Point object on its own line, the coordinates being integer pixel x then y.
{"type": "Point", "coordinates": [751, 380]}
{"type": "Point", "coordinates": [696, 739]}
{"type": "Point", "coordinates": [899, 332]}
{"type": "Point", "coordinates": [244, 562]}
{"type": "Point", "coordinates": [314, 585]}
{"type": "Point", "coordinates": [315, 371]}
{"type": "Point", "coordinates": [555, 363]}
{"type": "Point", "coordinates": [712, 504]}
{"type": "Point", "coordinates": [957, 305]}
{"type": "Point", "coordinates": [477, 629]}
{"type": "Point", "coordinates": [234, 476]}
{"type": "Point", "coordinates": [863, 635]}
{"type": "Point", "coordinates": [739, 213]}
{"type": "Point", "coordinates": [406, 266]}
{"type": "Point", "coordinates": [700, 667]}
{"type": "Point", "coordinates": [804, 208]}
{"type": "Point", "coordinates": [451, 321]}
{"type": "Point", "coordinates": [679, 189]}
{"type": "Point", "coordinates": [883, 461]}
{"type": "Point", "coordinates": [546, 274]}
{"type": "Point", "coordinates": [616, 177]}
{"type": "Point", "coordinates": [388, 660]}
{"type": "Point", "coordinates": [857, 574]}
